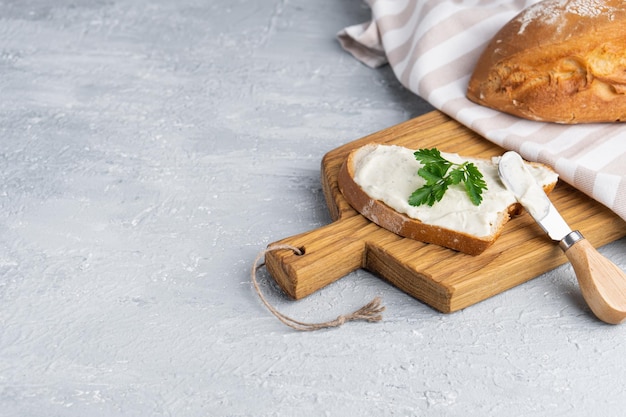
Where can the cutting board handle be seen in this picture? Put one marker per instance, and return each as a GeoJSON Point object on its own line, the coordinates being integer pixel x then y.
{"type": "Point", "coordinates": [327, 254]}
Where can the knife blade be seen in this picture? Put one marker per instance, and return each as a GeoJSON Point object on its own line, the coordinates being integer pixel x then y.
{"type": "Point", "coordinates": [602, 283]}
{"type": "Point", "coordinates": [517, 179]}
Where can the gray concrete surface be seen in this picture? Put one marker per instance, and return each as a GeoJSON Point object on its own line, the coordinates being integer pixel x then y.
{"type": "Point", "coordinates": [150, 149]}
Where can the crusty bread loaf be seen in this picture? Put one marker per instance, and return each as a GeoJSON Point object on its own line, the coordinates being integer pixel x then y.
{"type": "Point", "coordinates": [387, 217]}
{"type": "Point", "coordinates": [557, 61]}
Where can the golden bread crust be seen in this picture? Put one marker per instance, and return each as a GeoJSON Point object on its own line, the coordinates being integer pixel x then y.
{"type": "Point", "coordinates": [557, 61]}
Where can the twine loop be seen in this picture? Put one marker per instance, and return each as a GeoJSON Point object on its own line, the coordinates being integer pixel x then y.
{"type": "Point", "coordinates": [370, 312]}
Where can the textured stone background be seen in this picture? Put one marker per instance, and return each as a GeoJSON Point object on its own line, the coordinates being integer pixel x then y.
{"type": "Point", "coordinates": [150, 149]}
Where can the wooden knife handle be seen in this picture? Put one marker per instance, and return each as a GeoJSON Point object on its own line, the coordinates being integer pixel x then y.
{"type": "Point", "coordinates": [602, 283]}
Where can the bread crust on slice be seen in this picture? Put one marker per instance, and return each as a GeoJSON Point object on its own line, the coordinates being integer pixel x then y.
{"type": "Point", "coordinates": [403, 225]}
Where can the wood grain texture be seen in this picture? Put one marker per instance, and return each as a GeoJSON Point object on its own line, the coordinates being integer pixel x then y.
{"type": "Point", "coordinates": [442, 278]}
{"type": "Point", "coordinates": [602, 283]}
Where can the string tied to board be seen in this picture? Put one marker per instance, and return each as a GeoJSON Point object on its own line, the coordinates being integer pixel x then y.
{"type": "Point", "coordinates": [370, 312]}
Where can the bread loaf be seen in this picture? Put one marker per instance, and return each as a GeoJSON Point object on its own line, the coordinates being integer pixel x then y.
{"type": "Point", "coordinates": [557, 61]}
{"type": "Point", "coordinates": [377, 181]}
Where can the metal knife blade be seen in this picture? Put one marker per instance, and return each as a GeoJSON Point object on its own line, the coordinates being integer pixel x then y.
{"type": "Point", "coordinates": [518, 179]}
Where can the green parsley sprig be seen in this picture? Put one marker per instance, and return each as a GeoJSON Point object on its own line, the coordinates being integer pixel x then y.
{"type": "Point", "coordinates": [440, 173]}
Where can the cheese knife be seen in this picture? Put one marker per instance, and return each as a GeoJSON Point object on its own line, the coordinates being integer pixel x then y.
{"type": "Point", "coordinates": [602, 283]}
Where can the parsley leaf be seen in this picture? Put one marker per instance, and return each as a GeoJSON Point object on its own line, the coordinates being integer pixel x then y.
{"type": "Point", "coordinates": [435, 171]}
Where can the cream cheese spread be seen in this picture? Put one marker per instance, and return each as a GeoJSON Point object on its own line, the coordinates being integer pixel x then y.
{"type": "Point", "coordinates": [389, 173]}
{"type": "Point", "coordinates": [524, 186]}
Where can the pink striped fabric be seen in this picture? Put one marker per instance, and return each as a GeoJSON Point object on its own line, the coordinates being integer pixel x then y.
{"type": "Point", "coordinates": [433, 45]}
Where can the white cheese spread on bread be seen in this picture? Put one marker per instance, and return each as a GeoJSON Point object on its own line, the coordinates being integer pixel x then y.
{"type": "Point", "coordinates": [388, 173]}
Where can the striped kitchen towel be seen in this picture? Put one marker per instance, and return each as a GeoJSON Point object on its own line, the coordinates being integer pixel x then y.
{"type": "Point", "coordinates": [432, 47]}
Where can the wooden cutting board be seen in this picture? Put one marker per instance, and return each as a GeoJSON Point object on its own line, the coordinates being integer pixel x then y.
{"type": "Point", "coordinates": [444, 279]}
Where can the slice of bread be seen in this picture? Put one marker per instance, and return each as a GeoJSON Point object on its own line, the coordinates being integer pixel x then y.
{"type": "Point", "coordinates": [377, 181]}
